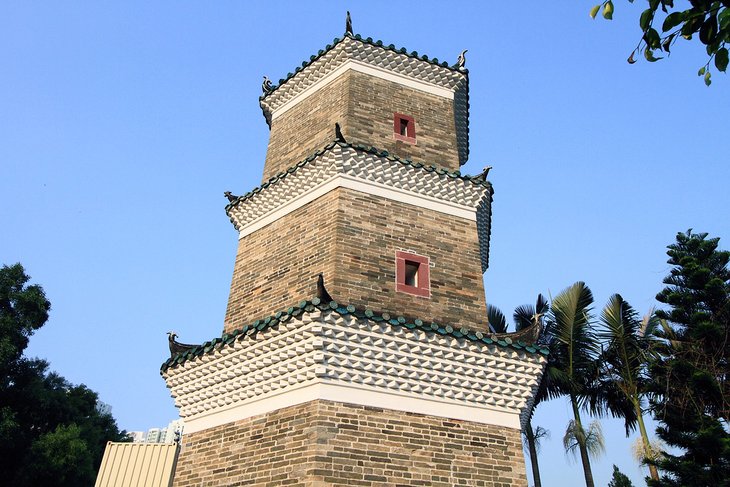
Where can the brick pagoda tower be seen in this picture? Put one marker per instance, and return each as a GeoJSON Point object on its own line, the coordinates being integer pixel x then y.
{"type": "Point", "coordinates": [389, 375]}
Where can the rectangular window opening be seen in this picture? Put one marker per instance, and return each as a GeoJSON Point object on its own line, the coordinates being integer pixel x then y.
{"type": "Point", "coordinates": [411, 273]}
{"type": "Point", "coordinates": [404, 127]}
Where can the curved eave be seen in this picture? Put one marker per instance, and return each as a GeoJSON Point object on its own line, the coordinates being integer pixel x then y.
{"type": "Point", "coordinates": [314, 304]}
{"type": "Point", "coordinates": [427, 168]}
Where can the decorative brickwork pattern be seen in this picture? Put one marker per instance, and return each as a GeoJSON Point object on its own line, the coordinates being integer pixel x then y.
{"type": "Point", "coordinates": [352, 238]}
{"type": "Point", "coordinates": [364, 104]}
{"type": "Point", "coordinates": [374, 166]}
{"type": "Point", "coordinates": [328, 348]}
{"type": "Point", "coordinates": [308, 126]}
{"type": "Point", "coordinates": [324, 443]}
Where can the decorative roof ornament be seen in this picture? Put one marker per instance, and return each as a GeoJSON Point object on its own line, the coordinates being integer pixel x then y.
{"type": "Point", "coordinates": [266, 86]}
{"type": "Point", "coordinates": [322, 293]}
{"type": "Point", "coordinates": [484, 173]}
{"type": "Point", "coordinates": [177, 348]}
{"type": "Point", "coordinates": [231, 197]}
{"type": "Point", "coordinates": [348, 23]}
{"type": "Point", "coordinates": [461, 60]}
{"type": "Point", "coordinates": [338, 133]}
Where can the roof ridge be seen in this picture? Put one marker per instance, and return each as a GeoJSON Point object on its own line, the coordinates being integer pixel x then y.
{"type": "Point", "coordinates": [309, 306]}
{"type": "Point", "coordinates": [477, 179]}
{"type": "Point", "coordinates": [370, 41]}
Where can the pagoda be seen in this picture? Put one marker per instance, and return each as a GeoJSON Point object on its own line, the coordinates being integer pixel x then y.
{"type": "Point", "coordinates": [356, 348]}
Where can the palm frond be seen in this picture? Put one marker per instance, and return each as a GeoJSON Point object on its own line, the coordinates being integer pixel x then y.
{"type": "Point", "coordinates": [592, 439]}
{"type": "Point", "coordinates": [524, 316]}
{"type": "Point", "coordinates": [575, 346]}
{"type": "Point", "coordinates": [496, 319]}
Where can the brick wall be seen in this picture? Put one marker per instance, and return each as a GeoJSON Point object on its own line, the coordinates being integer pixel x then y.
{"type": "Point", "coordinates": [307, 127]}
{"type": "Point", "coordinates": [323, 443]}
{"type": "Point", "coordinates": [352, 238]}
{"type": "Point", "coordinates": [364, 106]}
{"type": "Point", "coordinates": [373, 102]}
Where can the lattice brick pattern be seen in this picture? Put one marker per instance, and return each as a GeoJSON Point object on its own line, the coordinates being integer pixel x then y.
{"type": "Point", "coordinates": [326, 347]}
{"type": "Point", "coordinates": [360, 165]}
{"type": "Point", "coordinates": [349, 48]}
{"type": "Point", "coordinates": [400, 63]}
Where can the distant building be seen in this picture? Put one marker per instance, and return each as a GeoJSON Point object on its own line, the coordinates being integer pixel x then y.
{"type": "Point", "coordinates": [136, 436]}
{"type": "Point", "coordinates": [158, 435]}
{"type": "Point", "coordinates": [103, 408]}
{"type": "Point", "coordinates": [153, 435]}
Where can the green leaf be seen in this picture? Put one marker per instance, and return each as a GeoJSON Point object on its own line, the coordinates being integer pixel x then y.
{"type": "Point", "coordinates": [723, 18]}
{"type": "Point", "coordinates": [708, 31]}
{"type": "Point", "coordinates": [649, 55]}
{"type": "Point", "coordinates": [708, 81]}
{"type": "Point", "coordinates": [594, 11]}
{"type": "Point", "coordinates": [645, 19]}
{"type": "Point", "coordinates": [672, 20]}
{"type": "Point", "coordinates": [692, 25]}
{"type": "Point", "coordinates": [652, 38]}
{"type": "Point", "coordinates": [668, 42]}
{"type": "Point", "coordinates": [721, 58]}
{"type": "Point", "coordinates": [701, 71]}
{"type": "Point", "coordinates": [608, 10]}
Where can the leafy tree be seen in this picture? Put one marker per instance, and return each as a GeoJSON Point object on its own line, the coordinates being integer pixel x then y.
{"type": "Point", "coordinates": [573, 353]}
{"type": "Point", "coordinates": [628, 344]}
{"type": "Point", "coordinates": [691, 373]}
{"type": "Point", "coordinates": [708, 19]}
{"type": "Point", "coordinates": [619, 479]}
{"type": "Point", "coordinates": [51, 431]}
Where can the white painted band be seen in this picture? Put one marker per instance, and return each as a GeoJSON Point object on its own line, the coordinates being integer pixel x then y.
{"type": "Point", "coordinates": [364, 68]}
{"type": "Point", "coordinates": [352, 394]}
{"type": "Point", "coordinates": [364, 186]}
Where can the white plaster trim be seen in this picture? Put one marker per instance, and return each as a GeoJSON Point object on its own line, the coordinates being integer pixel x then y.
{"type": "Point", "coordinates": [352, 394]}
{"type": "Point", "coordinates": [361, 67]}
{"type": "Point", "coordinates": [368, 187]}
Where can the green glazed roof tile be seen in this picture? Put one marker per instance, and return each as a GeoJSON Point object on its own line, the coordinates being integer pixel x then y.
{"type": "Point", "coordinates": [262, 325]}
{"type": "Point", "coordinates": [363, 148]}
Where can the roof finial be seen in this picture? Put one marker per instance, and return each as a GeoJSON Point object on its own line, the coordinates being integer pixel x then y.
{"type": "Point", "coordinates": [322, 293]}
{"type": "Point", "coordinates": [175, 346]}
{"type": "Point", "coordinates": [461, 61]}
{"type": "Point", "coordinates": [484, 173]}
{"type": "Point", "coordinates": [338, 133]}
{"type": "Point", "coordinates": [231, 197]}
{"type": "Point", "coordinates": [266, 86]}
{"type": "Point", "coordinates": [348, 23]}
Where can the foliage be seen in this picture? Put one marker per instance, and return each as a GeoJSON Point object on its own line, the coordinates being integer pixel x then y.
{"type": "Point", "coordinates": [495, 318]}
{"type": "Point", "coordinates": [51, 432]}
{"type": "Point", "coordinates": [592, 438]}
{"type": "Point", "coordinates": [628, 344]}
{"type": "Point", "coordinates": [619, 479]}
{"type": "Point", "coordinates": [691, 373]}
{"type": "Point", "coordinates": [708, 19]}
{"type": "Point", "coordinates": [23, 309]}
{"type": "Point", "coordinates": [572, 360]}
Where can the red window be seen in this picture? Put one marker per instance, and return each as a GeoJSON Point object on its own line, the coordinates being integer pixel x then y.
{"type": "Point", "coordinates": [412, 274]}
{"type": "Point", "coordinates": [404, 128]}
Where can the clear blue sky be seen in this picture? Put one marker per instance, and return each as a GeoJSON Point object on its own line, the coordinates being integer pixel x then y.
{"type": "Point", "coordinates": [121, 124]}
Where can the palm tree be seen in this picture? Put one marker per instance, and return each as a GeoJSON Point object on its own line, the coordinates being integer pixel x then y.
{"type": "Point", "coordinates": [528, 322]}
{"type": "Point", "coordinates": [532, 439]}
{"type": "Point", "coordinates": [628, 342]}
{"type": "Point", "coordinates": [573, 353]}
{"type": "Point", "coordinates": [526, 317]}
{"type": "Point", "coordinates": [593, 439]}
